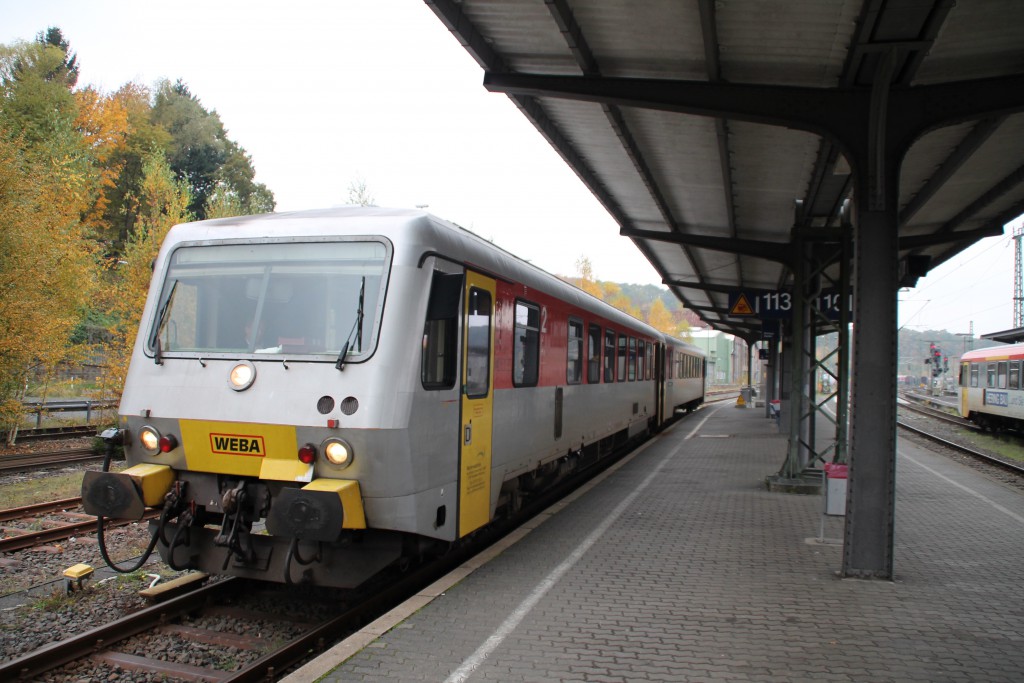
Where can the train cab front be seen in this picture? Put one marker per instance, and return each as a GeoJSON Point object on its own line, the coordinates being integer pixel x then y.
{"type": "Point", "coordinates": [243, 499]}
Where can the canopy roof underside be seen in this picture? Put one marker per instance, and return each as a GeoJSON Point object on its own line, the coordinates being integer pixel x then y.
{"type": "Point", "coordinates": [729, 189]}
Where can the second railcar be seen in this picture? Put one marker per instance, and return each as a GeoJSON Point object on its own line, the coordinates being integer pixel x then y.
{"type": "Point", "coordinates": [991, 387]}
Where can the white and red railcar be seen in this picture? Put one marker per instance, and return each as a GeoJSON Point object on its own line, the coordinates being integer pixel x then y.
{"type": "Point", "coordinates": [370, 384]}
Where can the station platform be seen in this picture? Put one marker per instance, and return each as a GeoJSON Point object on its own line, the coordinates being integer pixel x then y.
{"type": "Point", "coordinates": [680, 565]}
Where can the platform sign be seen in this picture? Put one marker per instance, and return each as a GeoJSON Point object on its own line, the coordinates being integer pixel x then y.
{"type": "Point", "coordinates": [778, 304]}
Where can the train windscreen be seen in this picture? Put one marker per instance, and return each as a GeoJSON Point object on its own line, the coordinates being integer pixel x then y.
{"type": "Point", "coordinates": [295, 298]}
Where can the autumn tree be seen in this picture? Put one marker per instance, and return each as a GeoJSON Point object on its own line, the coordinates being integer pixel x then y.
{"type": "Point", "coordinates": [84, 174]}
{"type": "Point", "coordinates": [163, 202]}
{"type": "Point", "coordinates": [48, 181]}
{"type": "Point", "coordinates": [66, 72]}
{"type": "Point", "coordinates": [142, 138]}
{"type": "Point", "coordinates": [659, 317]}
{"type": "Point", "coordinates": [200, 153]}
{"type": "Point", "coordinates": [46, 271]}
{"type": "Point", "coordinates": [38, 106]}
{"type": "Point", "coordinates": [102, 122]}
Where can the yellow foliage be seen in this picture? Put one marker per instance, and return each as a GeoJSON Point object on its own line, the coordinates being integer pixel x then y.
{"type": "Point", "coordinates": [103, 123]}
{"type": "Point", "coordinates": [624, 303]}
{"type": "Point", "coordinates": [46, 265]}
{"type": "Point", "coordinates": [661, 319]}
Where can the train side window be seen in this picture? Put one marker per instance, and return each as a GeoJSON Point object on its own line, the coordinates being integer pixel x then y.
{"type": "Point", "coordinates": [609, 356]}
{"type": "Point", "coordinates": [1014, 374]}
{"type": "Point", "coordinates": [593, 354]}
{"type": "Point", "coordinates": [1001, 374]}
{"type": "Point", "coordinates": [574, 352]}
{"type": "Point", "coordinates": [668, 364]}
{"type": "Point", "coordinates": [990, 375]}
{"type": "Point", "coordinates": [632, 359]}
{"type": "Point", "coordinates": [439, 353]}
{"type": "Point", "coordinates": [650, 360]}
{"type": "Point", "coordinates": [620, 373]}
{"type": "Point", "coordinates": [974, 374]}
{"type": "Point", "coordinates": [526, 349]}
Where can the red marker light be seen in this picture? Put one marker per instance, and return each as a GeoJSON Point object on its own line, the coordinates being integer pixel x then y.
{"type": "Point", "coordinates": [307, 454]}
{"type": "Point", "coordinates": [168, 443]}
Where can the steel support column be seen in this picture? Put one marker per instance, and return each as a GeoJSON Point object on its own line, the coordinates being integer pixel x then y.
{"type": "Point", "coordinates": [808, 323]}
{"type": "Point", "coordinates": [871, 488]}
{"type": "Point", "coordinates": [799, 418]}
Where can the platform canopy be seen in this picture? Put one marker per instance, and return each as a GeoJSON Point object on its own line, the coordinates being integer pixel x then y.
{"type": "Point", "coordinates": [716, 132]}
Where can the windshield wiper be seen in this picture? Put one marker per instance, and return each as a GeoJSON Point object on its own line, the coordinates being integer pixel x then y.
{"type": "Point", "coordinates": [357, 329]}
{"type": "Point", "coordinates": [161, 320]}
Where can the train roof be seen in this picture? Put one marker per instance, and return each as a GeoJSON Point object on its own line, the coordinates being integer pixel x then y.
{"type": "Point", "coordinates": [434, 235]}
{"type": "Point", "coordinates": [1004, 352]}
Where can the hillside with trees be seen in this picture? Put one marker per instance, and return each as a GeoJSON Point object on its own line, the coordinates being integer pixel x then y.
{"type": "Point", "coordinates": [655, 305]}
{"type": "Point", "coordinates": [90, 182]}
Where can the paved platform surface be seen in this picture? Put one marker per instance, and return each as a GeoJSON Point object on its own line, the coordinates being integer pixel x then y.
{"type": "Point", "coordinates": [681, 566]}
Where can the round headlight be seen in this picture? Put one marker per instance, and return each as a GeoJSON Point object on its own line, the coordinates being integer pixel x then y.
{"type": "Point", "coordinates": [337, 452]}
{"type": "Point", "coordinates": [150, 439]}
{"type": "Point", "coordinates": [242, 375]}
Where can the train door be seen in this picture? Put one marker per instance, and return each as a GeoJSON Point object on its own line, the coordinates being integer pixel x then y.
{"type": "Point", "coordinates": [659, 382]}
{"type": "Point", "coordinates": [477, 403]}
{"type": "Point", "coordinates": [964, 382]}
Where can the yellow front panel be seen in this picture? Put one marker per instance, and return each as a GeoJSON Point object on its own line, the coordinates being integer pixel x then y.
{"type": "Point", "coordinates": [351, 500]}
{"type": "Point", "coordinates": [242, 449]}
{"type": "Point", "coordinates": [153, 481]}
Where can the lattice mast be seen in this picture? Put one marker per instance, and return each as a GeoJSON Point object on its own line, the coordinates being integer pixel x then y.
{"type": "Point", "coordinates": [1018, 279]}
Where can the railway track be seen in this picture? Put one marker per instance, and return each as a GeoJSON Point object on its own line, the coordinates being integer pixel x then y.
{"type": "Point", "coordinates": [966, 450]}
{"type": "Point", "coordinates": [938, 415]}
{"type": "Point", "coordinates": [208, 619]}
{"type": "Point", "coordinates": [55, 433]}
{"type": "Point", "coordinates": [22, 462]}
{"type": "Point", "coordinates": [61, 519]}
{"type": "Point", "coordinates": [279, 632]}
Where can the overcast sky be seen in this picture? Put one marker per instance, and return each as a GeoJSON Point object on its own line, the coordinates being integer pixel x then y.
{"type": "Point", "coordinates": [324, 93]}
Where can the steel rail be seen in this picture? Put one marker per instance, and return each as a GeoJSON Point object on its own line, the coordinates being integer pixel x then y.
{"type": "Point", "coordinates": [59, 533]}
{"type": "Point", "coordinates": [39, 508]}
{"type": "Point", "coordinates": [998, 462]}
{"type": "Point", "coordinates": [54, 433]}
{"type": "Point", "coordinates": [20, 462]}
{"type": "Point", "coordinates": [939, 415]}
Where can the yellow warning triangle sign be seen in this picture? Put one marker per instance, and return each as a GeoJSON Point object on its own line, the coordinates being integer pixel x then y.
{"type": "Point", "coordinates": [742, 306]}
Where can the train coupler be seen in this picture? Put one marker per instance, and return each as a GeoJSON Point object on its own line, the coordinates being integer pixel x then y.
{"type": "Point", "coordinates": [235, 531]}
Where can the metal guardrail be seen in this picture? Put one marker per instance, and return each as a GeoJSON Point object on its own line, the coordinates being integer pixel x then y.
{"type": "Point", "coordinates": [38, 408]}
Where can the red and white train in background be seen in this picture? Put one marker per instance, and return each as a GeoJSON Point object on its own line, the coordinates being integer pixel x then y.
{"type": "Point", "coordinates": [991, 387]}
{"type": "Point", "coordinates": [369, 384]}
